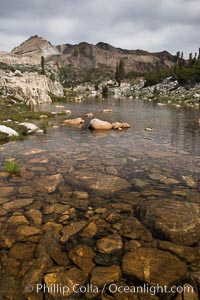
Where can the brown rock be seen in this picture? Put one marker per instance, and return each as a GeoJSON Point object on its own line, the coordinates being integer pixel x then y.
{"type": "Point", "coordinates": [51, 226]}
{"type": "Point", "coordinates": [147, 264]}
{"type": "Point", "coordinates": [190, 292]}
{"type": "Point", "coordinates": [10, 266]}
{"type": "Point", "coordinates": [99, 124]}
{"type": "Point", "coordinates": [49, 244]}
{"type": "Point", "coordinates": [35, 274]}
{"type": "Point", "coordinates": [82, 256]}
{"type": "Point", "coordinates": [185, 253]}
{"type": "Point", "coordinates": [103, 184]}
{"type": "Point", "coordinates": [178, 221]}
{"type": "Point", "coordinates": [110, 244]}
{"type": "Point", "coordinates": [34, 216]}
{"type": "Point", "coordinates": [118, 125]}
{"type": "Point", "coordinates": [80, 195]}
{"type": "Point", "coordinates": [17, 220]}
{"type": "Point", "coordinates": [2, 212]}
{"type": "Point", "coordinates": [76, 121]}
{"type": "Point", "coordinates": [71, 230]}
{"type": "Point", "coordinates": [27, 231]}
{"type": "Point", "coordinates": [105, 275]}
{"type": "Point", "coordinates": [168, 180]}
{"type": "Point", "coordinates": [134, 229]}
{"type": "Point", "coordinates": [91, 230]}
{"type": "Point", "coordinates": [16, 204]}
{"type": "Point", "coordinates": [68, 278]}
{"type": "Point", "coordinates": [27, 191]}
{"type": "Point", "coordinates": [49, 184]}
{"type": "Point", "coordinates": [113, 217]}
{"type": "Point", "coordinates": [122, 207]}
{"type": "Point", "coordinates": [6, 191]}
{"type": "Point", "coordinates": [33, 151]}
{"type": "Point", "coordinates": [22, 251]}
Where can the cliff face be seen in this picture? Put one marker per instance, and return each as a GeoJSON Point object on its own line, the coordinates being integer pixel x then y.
{"type": "Point", "coordinates": [87, 55]}
{"type": "Point", "coordinates": [28, 87]}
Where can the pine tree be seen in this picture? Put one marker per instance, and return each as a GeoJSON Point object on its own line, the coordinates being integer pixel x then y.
{"type": "Point", "coordinates": [42, 64]}
{"type": "Point", "coordinates": [117, 73]}
{"type": "Point", "coordinates": [120, 72]}
{"type": "Point", "coordinates": [190, 58]}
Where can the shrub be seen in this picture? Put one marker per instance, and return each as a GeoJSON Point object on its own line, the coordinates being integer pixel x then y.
{"type": "Point", "coordinates": [13, 168]}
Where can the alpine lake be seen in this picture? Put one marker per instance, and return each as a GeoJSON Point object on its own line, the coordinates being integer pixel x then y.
{"type": "Point", "coordinates": [93, 208]}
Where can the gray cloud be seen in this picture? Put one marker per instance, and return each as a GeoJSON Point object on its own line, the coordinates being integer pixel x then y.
{"type": "Point", "coordinates": [152, 25]}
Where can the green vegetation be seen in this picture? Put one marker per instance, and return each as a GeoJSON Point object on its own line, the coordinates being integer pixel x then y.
{"type": "Point", "coordinates": [185, 71]}
{"type": "Point", "coordinates": [133, 75]}
{"type": "Point", "coordinates": [4, 66]}
{"type": "Point", "coordinates": [71, 76]}
{"type": "Point", "coordinates": [4, 138]}
{"type": "Point", "coordinates": [120, 72]}
{"type": "Point", "coordinates": [12, 114]}
{"type": "Point", "coordinates": [55, 98]}
{"type": "Point", "coordinates": [13, 168]}
{"type": "Point", "coordinates": [44, 125]}
{"type": "Point", "coordinates": [19, 112]}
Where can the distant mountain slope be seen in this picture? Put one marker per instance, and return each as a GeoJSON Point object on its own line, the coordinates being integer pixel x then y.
{"type": "Point", "coordinates": [102, 54]}
{"type": "Point", "coordinates": [35, 45]}
{"type": "Point", "coordinates": [85, 56]}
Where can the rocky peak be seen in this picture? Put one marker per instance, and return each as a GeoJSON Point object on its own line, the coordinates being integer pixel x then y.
{"type": "Point", "coordinates": [36, 45]}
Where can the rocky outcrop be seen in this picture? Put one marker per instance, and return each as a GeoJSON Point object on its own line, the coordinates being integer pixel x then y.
{"type": "Point", "coordinates": [32, 128]}
{"type": "Point", "coordinates": [30, 88]}
{"type": "Point", "coordinates": [8, 130]}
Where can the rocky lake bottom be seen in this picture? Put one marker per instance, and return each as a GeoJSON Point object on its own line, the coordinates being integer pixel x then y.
{"type": "Point", "coordinates": [101, 212]}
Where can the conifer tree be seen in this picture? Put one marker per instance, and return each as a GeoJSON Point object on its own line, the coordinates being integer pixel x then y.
{"type": "Point", "coordinates": [120, 72]}
{"type": "Point", "coordinates": [42, 64]}
{"type": "Point", "coordinates": [117, 73]}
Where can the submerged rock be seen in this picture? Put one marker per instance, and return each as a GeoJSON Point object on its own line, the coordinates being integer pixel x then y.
{"type": "Point", "coordinates": [105, 275]}
{"type": "Point", "coordinates": [110, 244]}
{"type": "Point", "coordinates": [189, 180]}
{"type": "Point", "coordinates": [82, 256]}
{"type": "Point", "coordinates": [71, 230]}
{"type": "Point", "coordinates": [71, 279]}
{"type": "Point", "coordinates": [16, 204]}
{"type": "Point", "coordinates": [154, 266]}
{"type": "Point", "coordinates": [177, 221]}
{"type": "Point", "coordinates": [22, 251]}
{"type": "Point", "coordinates": [98, 183]}
{"type": "Point", "coordinates": [49, 183]}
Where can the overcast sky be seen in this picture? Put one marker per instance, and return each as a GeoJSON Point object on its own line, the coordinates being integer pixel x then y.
{"type": "Point", "coordinates": [152, 25]}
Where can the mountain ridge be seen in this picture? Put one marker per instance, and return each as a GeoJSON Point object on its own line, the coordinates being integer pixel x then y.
{"type": "Point", "coordinates": [83, 55]}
